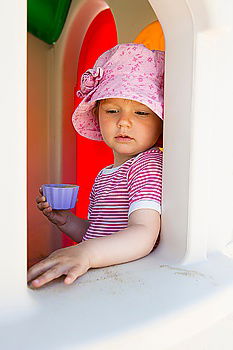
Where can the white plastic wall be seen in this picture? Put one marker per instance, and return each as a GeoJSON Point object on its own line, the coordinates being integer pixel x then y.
{"type": "Point", "coordinates": [197, 199]}
{"type": "Point", "coordinates": [13, 205]}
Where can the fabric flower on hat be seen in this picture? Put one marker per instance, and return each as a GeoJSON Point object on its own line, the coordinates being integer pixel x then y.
{"type": "Point", "coordinates": [89, 80]}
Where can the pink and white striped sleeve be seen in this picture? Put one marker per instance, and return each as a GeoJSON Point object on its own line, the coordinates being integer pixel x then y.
{"type": "Point", "coordinates": [145, 182]}
{"type": "Point", "coordinates": [91, 201]}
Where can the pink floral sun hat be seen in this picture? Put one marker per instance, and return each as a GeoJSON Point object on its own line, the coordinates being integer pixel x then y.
{"type": "Point", "coordinates": [129, 71]}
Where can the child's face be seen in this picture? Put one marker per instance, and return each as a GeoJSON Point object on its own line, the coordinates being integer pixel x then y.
{"type": "Point", "coordinates": [128, 127]}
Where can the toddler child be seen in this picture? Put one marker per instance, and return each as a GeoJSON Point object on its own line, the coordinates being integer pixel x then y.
{"type": "Point", "coordinates": [123, 106]}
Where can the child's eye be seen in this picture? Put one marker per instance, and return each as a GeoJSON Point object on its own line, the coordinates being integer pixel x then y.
{"type": "Point", "coordinates": [112, 111]}
{"type": "Point", "coordinates": [142, 113]}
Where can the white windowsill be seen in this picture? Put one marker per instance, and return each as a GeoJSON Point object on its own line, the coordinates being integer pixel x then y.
{"type": "Point", "coordinates": [130, 306]}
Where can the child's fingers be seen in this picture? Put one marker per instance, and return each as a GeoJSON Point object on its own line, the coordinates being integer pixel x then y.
{"type": "Point", "coordinates": [51, 274]}
{"type": "Point", "coordinates": [40, 199]}
{"type": "Point", "coordinates": [74, 273]}
{"type": "Point", "coordinates": [43, 205]}
{"type": "Point", "coordinates": [40, 268]}
{"type": "Point", "coordinates": [47, 211]}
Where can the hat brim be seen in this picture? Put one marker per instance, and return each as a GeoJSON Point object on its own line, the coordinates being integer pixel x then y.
{"type": "Point", "coordinates": [85, 121]}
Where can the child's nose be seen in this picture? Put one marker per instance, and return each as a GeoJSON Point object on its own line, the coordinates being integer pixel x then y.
{"type": "Point", "coordinates": [124, 120]}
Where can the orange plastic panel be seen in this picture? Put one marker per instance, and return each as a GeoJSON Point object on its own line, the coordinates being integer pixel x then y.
{"type": "Point", "coordinates": [152, 37]}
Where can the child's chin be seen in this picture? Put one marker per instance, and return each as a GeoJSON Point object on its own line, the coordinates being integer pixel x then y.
{"type": "Point", "coordinates": [122, 148]}
{"type": "Point", "coordinates": [127, 152]}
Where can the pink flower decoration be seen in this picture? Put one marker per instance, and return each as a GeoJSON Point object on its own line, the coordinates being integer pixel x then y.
{"type": "Point", "coordinates": [89, 80]}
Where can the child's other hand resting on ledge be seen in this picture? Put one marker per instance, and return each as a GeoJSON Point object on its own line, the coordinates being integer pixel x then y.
{"type": "Point", "coordinates": [71, 261]}
{"type": "Point", "coordinates": [132, 243]}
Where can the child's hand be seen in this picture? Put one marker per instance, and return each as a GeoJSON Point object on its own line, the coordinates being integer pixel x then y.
{"type": "Point", "coordinates": [71, 261]}
{"type": "Point", "coordinates": [57, 217]}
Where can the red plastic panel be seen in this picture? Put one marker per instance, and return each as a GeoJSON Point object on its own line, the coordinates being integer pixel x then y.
{"type": "Point", "coordinates": [92, 156]}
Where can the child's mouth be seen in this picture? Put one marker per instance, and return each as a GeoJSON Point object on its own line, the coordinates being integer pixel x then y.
{"type": "Point", "coordinates": [123, 138]}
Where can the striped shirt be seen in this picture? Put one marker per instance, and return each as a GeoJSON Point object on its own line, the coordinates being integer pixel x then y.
{"type": "Point", "coordinates": [117, 192]}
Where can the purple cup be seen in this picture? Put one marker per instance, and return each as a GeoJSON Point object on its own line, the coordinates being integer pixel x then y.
{"type": "Point", "coordinates": [61, 196]}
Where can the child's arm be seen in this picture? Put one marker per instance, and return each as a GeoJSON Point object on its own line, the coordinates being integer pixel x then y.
{"type": "Point", "coordinates": [74, 227]}
{"type": "Point", "coordinates": [67, 222]}
{"type": "Point", "coordinates": [132, 243]}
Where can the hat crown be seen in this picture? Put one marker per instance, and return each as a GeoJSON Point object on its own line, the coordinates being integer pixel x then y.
{"type": "Point", "coordinates": [132, 60]}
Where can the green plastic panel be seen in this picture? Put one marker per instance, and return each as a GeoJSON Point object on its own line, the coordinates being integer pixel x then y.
{"type": "Point", "coordinates": [46, 18]}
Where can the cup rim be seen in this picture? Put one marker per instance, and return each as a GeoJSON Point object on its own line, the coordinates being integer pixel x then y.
{"type": "Point", "coordinates": [57, 186]}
